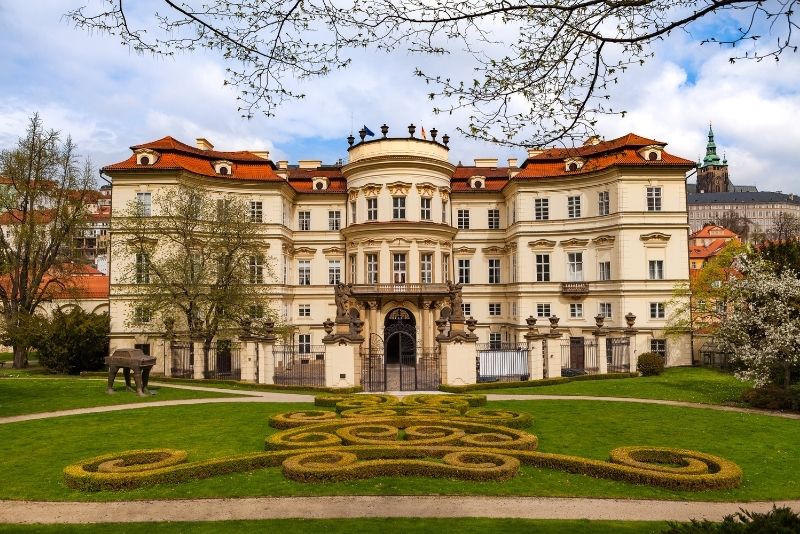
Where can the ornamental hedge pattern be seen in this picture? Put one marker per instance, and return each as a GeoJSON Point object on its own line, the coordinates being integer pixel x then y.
{"type": "Point", "coordinates": [366, 436]}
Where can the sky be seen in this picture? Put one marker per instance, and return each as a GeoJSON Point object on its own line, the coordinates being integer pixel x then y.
{"type": "Point", "coordinates": [108, 98]}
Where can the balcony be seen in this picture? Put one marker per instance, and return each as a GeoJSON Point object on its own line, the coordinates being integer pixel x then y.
{"type": "Point", "coordinates": [575, 289]}
{"type": "Point", "coordinates": [399, 289]}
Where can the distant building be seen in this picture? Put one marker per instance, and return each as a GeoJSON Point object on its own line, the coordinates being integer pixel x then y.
{"type": "Point", "coordinates": [706, 243]}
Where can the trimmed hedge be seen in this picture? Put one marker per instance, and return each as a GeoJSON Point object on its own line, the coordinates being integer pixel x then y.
{"type": "Point", "coordinates": [283, 421]}
{"type": "Point", "coordinates": [650, 364]}
{"type": "Point", "coordinates": [533, 383]}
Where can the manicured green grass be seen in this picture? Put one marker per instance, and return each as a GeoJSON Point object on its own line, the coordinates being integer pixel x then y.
{"type": "Point", "coordinates": [362, 526]}
{"type": "Point", "coordinates": [690, 384]}
{"type": "Point", "coordinates": [33, 395]}
{"type": "Point", "coordinates": [765, 448]}
{"type": "Point", "coordinates": [243, 386]}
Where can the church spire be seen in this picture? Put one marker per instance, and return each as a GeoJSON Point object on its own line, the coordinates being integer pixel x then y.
{"type": "Point", "coordinates": [711, 150]}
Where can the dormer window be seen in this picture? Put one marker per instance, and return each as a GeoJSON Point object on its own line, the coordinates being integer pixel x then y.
{"type": "Point", "coordinates": [223, 168]}
{"type": "Point", "coordinates": [477, 182]}
{"type": "Point", "coordinates": [146, 156]}
{"type": "Point", "coordinates": [651, 153]}
{"type": "Point", "coordinates": [573, 164]}
{"type": "Point", "coordinates": [320, 183]}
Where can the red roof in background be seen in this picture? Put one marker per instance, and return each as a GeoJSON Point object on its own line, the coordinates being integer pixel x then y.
{"type": "Point", "coordinates": [89, 286]}
{"type": "Point", "coordinates": [629, 140]}
{"type": "Point", "coordinates": [496, 178]}
{"type": "Point", "coordinates": [712, 249]}
{"type": "Point", "coordinates": [170, 144]}
{"type": "Point", "coordinates": [713, 231]}
{"type": "Point", "coordinates": [303, 179]}
{"type": "Point", "coordinates": [14, 216]}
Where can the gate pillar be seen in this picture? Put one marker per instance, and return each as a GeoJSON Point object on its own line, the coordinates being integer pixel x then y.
{"type": "Point", "coordinates": [341, 359]}
{"type": "Point", "coordinates": [600, 338]}
{"type": "Point", "coordinates": [633, 349]}
{"type": "Point", "coordinates": [534, 339]}
{"type": "Point", "coordinates": [553, 349]}
{"type": "Point", "coordinates": [199, 370]}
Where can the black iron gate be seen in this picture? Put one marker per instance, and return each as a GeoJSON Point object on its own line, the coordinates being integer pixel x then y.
{"type": "Point", "coordinates": [411, 368]}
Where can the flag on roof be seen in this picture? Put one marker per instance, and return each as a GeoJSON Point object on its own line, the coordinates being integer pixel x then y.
{"type": "Point", "coordinates": [424, 135]}
{"type": "Point", "coordinates": [369, 132]}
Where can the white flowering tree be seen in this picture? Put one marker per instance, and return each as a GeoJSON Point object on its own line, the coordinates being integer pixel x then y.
{"type": "Point", "coordinates": [762, 329]}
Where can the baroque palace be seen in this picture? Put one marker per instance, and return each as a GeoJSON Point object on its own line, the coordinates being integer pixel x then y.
{"type": "Point", "coordinates": [401, 270]}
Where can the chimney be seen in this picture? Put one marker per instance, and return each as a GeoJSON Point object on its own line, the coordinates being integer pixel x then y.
{"type": "Point", "coordinates": [264, 154]}
{"type": "Point", "coordinates": [309, 163]}
{"type": "Point", "coordinates": [533, 152]}
{"type": "Point", "coordinates": [283, 164]}
{"type": "Point", "coordinates": [203, 144]}
{"type": "Point", "coordinates": [512, 162]}
{"type": "Point", "coordinates": [486, 162]}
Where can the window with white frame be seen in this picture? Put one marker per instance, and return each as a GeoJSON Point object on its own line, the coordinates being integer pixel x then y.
{"type": "Point", "coordinates": [283, 213]}
{"type": "Point", "coordinates": [659, 346]}
{"type": "Point", "coordinates": [372, 209]}
{"type": "Point", "coordinates": [445, 267]}
{"type": "Point", "coordinates": [462, 219]}
{"type": "Point", "coordinates": [657, 310]}
{"type": "Point", "coordinates": [543, 310]}
{"type": "Point", "coordinates": [372, 268]}
{"type": "Point", "coordinates": [285, 269]}
{"type": "Point", "coordinates": [256, 270]}
{"type": "Point", "coordinates": [353, 212]}
{"type": "Point", "coordinates": [463, 271]}
{"type": "Point", "coordinates": [256, 211]}
{"type": "Point", "coordinates": [304, 221]}
{"type": "Point", "coordinates": [653, 199]}
{"type": "Point", "coordinates": [142, 314]}
{"type": "Point", "coordinates": [144, 202]}
{"type": "Point", "coordinates": [575, 266]}
{"type": "Point", "coordinates": [353, 268]}
{"type": "Point", "coordinates": [494, 219]}
{"type": "Point", "coordinates": [541, 209]}
{"type": "Point", "coordinates": [304, 310]}
{"type": "Point", "coordinates": [543, 267]}
{"type": "Point", "coordinates": [514, 268]}
{"type": "Point", "coordinates": [334, 272]}
{"type": "Point", "coordinates": [574, 207]}
{"type": "Point", "coordinates": [605, 270]}
{"type": "Point", "coordinates": [495, 341]}
{"type": "Point", "coordinates": [513, 309]}
{"type": "Point", "coordinates": [334, 220]}
{"type": "Point", "coordinates": [603, 204]}
{"type": "Point", "coordinates": [256, 311]}
{"type": "Point", "coordinates": [304, 343]}
{"type": "Point", "coordinates": [656, 269]}
{"type": "Point", "coordinates": [425, 209]}
{"type": "Point", "coordinates": [398, 207]}
{"type": "Point", "coordinates": [466, 309]}
{"type": "Point", "coordinates": [494, 271]}
{"type": "Point", "coordinates": [605, 309]}
{"type": "Point", "coordinates": [494, 309]}
{"type": "Point", "coordinates": [399, 268]}
{"type": "Point", "coordinates": [304, 272]}
{"type": "Point", "coordinates": [575, 310]}
{"type": "Point", "coordinates": [142, 268]}
{"type": "Point", "coordinates": [223, 208]}
{"type": "Point", "coordinates": [444, 211]}
{"type": "Point", "coordinates": [426, 268]}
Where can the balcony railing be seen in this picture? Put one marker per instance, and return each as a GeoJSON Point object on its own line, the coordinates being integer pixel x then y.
{"type": "Point", "coordinates": [574, 288]}
{"type": "Point", "coordinates": [410, 289]}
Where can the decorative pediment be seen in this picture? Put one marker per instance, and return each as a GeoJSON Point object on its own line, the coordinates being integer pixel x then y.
{"type": "Point", "coordinates": [352, 244]}
{"type": "Point", "coordinates": [304, 251]}
{"type": "Point", "coordinates": [426, 189]}
{"type": "Point", "coordinates": [352, 195]}
{"type": "Point", "coordinates": [372, 190]}
{"type": "Point", "coordinates": [287, 249]}
{"type": "Point", "coordinates": [371, 243]}
{"type": "Point", "coordinates": [464, 250]}
{"type": "Point", "coordinates": [333, 251]}
{"type": "Point", "coordinates": [398, 189]}
{"type": "Point", "coordinates": [142, 241]}
{"type": "Point", "coordinates": [445, 244]}
{"type": "Point", "coordinates": [444, 192]}
{"type": "Point", "coordinates": [574, 242]}
{"type": "Point", "coordinates": [427, 242]}
{"type": "Point", "coordinates": [146, 156]}
{"type": "Point", "coordinates": [512, 246]}
{"type": "Point", "coordinates": [655, 238]}
{"type": "Point", "coordinates": [494, 250]}
{"type": "Point", "coordinates": [542, 243]}
{"type": "Point", "coordinates": [604, 240]}
{"type": "Point", "coordinates": [400, 241]}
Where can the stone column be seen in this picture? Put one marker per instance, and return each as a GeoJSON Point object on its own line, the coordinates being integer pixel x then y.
{"type": "Point", "coordinates": [535, 363]}
{"type": "Point", "coordinates": [199, 360]}
{"type": "Point", "coordinates": [553, 349]}
{"type": "Point", "coordinates": [266, 354]}
{"type": "Point", "coordinates": [373, 317]}
{"type": "Point", "coordinates": [633, 348]}
{"type": "Point", "coordinates": [600, 339]}
{"type": "Point", "coordinates": [427, 319]}
{"type": "Point", "coordinates": [248, 358]}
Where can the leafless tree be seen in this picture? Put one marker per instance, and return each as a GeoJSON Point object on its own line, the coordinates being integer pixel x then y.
{"type": "Point", "coordinates": [735, 222]}
{"type": "Point", "coordinates": [786, 226]}
{"type": "Point", "coordinates": [543, 69]}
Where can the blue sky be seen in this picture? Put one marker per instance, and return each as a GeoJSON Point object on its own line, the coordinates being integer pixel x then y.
{"type": "Point", "coordinates": [109, 99]}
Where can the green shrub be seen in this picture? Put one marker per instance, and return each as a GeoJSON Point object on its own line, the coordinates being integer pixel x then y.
{"type": "Point", "coordinates": [72, 342]}
{"type": "Point", "coordinates": [650, 364]}
{"type": "Point", "coordinates": [778, 520]}
{"type": "Point", "coordinates": [772, 397]}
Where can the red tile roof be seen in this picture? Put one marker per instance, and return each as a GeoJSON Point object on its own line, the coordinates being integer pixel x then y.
{"type": "Point", "coordinates": [496, 178]}
{"type": "Point", "coordinates": [702, 252]}
{"type": "Point", "coordinates": [712, 230]}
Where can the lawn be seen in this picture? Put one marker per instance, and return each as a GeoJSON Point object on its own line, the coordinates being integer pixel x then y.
{"type": "Point", "coordinates": [33, 395]}
{"type": "Point", "coordinates": [690, 384]}
{"type": "Point", "coordinates": [765, 448]}
{"type": "Point", "coordinates": [362, 526]}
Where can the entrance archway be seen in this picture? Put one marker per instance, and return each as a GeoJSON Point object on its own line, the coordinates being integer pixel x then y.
{"type": "Point", "coordinates": [400, 337]}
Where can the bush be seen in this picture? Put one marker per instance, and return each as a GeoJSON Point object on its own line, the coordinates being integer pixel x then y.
{"type": "Point", "coordinates": [777, 520]}
{"type": "Point", "coordinates": [650, 364]}
{"type": "Point", "coordinates": [773, 397]}
{"type": "Point", "coordinates": [72, 342]}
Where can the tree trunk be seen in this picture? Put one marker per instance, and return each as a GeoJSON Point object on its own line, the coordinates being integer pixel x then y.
{"type": "Point", "coordinates": [20, 357]}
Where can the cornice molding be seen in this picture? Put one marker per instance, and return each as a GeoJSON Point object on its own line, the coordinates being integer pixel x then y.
{"type": "Point", "coordinates": [542, 244]}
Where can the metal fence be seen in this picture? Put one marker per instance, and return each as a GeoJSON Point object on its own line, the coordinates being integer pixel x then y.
{"type": "Point", "coordinates": [712, 356]}
{"type": "Point", "coordinates": [224, 361]}
{"type": "Point", "coordinates": [579, 357]}
{"type": "Point", "coordinates": [618, 354]}
{"type": "Point", "coordinates": [419, 371]}
{"type": "Point", "coordinates": [181, 362]}
{"type": "Point", "coordinates": [502, 362]}
{"type": "Point", "coordinates": [299, 365]}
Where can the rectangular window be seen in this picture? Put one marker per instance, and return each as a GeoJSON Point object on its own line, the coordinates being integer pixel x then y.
{"type": "Point", "coordinates": [575, 310]}
{"type": "Point", "coordinates": [495, 341]}
{"type": "Point", "coordinates": [304, 343]}
{"type": "Point", "coordinates": [514, 268]}
{"type": "Point", "coordinates": [659, 346]}
{"type": "Point", "coordinates": [304, 221]}
{"type": "Point", "coordinates": [575, 266]}
{"type": "Point", "coordinates": [372, 209]}
{"type": "Point", "coordinates": [372, 268]}
{"type": "Point", "coordinates": [543, 267]}
{"type": "Point", "coordinates": [334, 220]}
{"type": "Point", "coordinates": [445, 267]}
{"type": "Point", "coordinates": [494, 219]}
{"type": "Point", "coordinates": [256, 270]}
{"type": "Point", "coordinates": [353, 212]}
{"type": "Point", "coordinates": [574, 207]}
{"type": "Point", "coordinates": [444, 211]}
{"type": "Point", "coordinates": [144, 204]}
{"type": "Point", "coordinates": [603, 204]}
{"type": "Point", "coordinates": [304, 272]}
{"type": "Point", "coordinates": [463, 271]}
{"type": "Point", "coordinates": [466, 308]}
{"type": "Point", "coordinates": [425, 209]}
{"type": "Point", "coordinates": [657, 310]}
{"type": "Point", "coordinates": [256, 211]}
{"type": "Point", "coordinates": [494, 271]}
{"type": "Point", "coordinates": [285, 269]}
{"type": "Point", "coordinates": [653, 199]}
{"type": "Point", "coordinates": [541, 209]}
{"type": "Point", "coordinates": [426, 268]}
{"type": "Point", "coordinates": [142, 268]}
{"type": "Point", "coordinates": [398, 207]}
{"type": "Point", "coordinates": [656, 269]}
{"type": "Point", "coordinates": [543, 310]}
{"type": "Point", "coordinates": [399, 268]}
{"type": "Point", "coordinates": [605, 309]}
{"type": "Point", "coordinates": [304, 310]}
{"type": "Point", "coordinates": [462, 219]}
{"type": "Point", "coordinates": [142, 315]}
{"type": "Point", "coordinates": [353, 268]}
{"type": "Point", "coordinates": [605, 270]}
{"type": "Point", "coordinates": [223, 208]}
{"type": "Point", "coordinates": [513, 309]}
{"type": "Point", "coordinates": [256, 311]}
{"type": "Point", "coordinates": [334, 272]}
{"type": "Point", "coordinates": [494, 309]}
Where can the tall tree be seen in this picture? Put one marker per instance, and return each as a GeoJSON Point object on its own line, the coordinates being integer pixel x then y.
{"type": "Point", "coordinates": [543, 71]}
{"type": "Point", "coordinates": [195, 262]}
{"type": "Point", "coordinates": [786, 226]}
{"type": "Point", "coordinates": [735, 222]}
{"type": "Point", "coordinates": [43, 198]}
